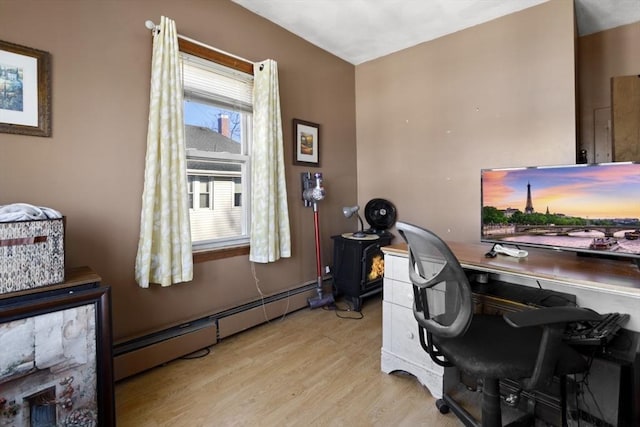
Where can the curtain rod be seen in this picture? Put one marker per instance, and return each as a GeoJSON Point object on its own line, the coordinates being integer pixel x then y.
{"type": "Point", "coordinates": [155, 29]}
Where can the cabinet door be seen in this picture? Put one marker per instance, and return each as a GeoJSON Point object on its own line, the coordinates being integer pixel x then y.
{"type": "Point", "coordinates": [625, 100]}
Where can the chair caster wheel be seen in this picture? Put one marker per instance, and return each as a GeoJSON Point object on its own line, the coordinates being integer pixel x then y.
{"type": "Point", "coordinates": [442, 406]}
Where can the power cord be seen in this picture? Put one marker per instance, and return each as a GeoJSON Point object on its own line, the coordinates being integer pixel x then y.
{"type": "Point", "coordinates": [198, 354]}
{"type": "Point", "coordinates": [580, 414]}
{"type": "Point", "coordinates": [337, 309]}
{"type": "Point", "coordinates": [264, 310]}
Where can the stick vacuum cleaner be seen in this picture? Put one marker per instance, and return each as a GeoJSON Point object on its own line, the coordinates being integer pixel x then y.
{"type": "Point", "coordinates": [312, 193]}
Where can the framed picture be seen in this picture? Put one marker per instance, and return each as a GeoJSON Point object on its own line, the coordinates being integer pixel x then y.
{"type": "Point", "coordinates": [25, 90]}
{"type": "Point", "coordinates": [306, 143]}
{"type": "Point", "coordinates": [56, 363]}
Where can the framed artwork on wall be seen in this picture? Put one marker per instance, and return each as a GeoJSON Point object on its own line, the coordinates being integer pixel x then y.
{"type": "Point", "coordinates": [306, 143]}
{"type": "Point", "coordinates": [25, 90]}
{"type": "Point", "coordinates": [56, 365]}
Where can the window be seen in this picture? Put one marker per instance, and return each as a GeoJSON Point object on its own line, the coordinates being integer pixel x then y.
{"type": "Point", "coordinates": [237, 192]}
{"type": "Point", "coordinates": [200, 194]}
{"type": "Point", "coordinates": [191, 182]}
{"type": "Point", "coordinates": [217, 117]}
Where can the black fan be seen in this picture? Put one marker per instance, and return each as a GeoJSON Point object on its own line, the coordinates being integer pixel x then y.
{"type": "Point", "coordinates": [380, 214]}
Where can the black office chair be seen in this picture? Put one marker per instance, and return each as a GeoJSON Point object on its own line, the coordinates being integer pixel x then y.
{"type": "Point", "coordinates": [523, 346]}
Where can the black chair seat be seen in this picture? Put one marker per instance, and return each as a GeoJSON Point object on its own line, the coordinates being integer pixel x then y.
{"type": "Point", "coordinates": [504, 352]}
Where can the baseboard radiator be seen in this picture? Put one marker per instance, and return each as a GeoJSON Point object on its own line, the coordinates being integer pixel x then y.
{"type": "Point", "coordinates": [146, 352]}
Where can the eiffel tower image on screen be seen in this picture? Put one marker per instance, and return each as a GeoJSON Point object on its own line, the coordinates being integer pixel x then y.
{"type": "Point", "coordinates": [529, 208]}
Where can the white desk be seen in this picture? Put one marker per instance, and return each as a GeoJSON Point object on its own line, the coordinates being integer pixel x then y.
{"type": "Point", "coordinates": [602, 285]}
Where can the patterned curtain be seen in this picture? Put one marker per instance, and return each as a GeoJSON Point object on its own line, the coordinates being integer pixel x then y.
{"type": "Point", "coordinates": [270, 234]}
{"type": "Point", "coordinates": [164, 248]}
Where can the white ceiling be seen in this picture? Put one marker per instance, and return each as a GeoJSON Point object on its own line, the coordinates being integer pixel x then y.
{"type": "Point", "coordinates": [361, 30]}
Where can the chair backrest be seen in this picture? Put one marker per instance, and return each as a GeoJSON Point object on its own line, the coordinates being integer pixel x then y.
{"type": "Point", "coordinates": [443, 303]}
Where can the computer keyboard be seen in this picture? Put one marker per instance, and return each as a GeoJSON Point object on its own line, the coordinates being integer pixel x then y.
{"type": "Point", "coordinates": [598, 332]}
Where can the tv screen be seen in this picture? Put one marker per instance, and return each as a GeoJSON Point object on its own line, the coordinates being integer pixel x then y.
{"type": "Point", "coordinates": [592, 209]}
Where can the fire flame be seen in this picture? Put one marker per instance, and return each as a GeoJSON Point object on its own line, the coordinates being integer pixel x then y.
{"type": "Point", "coordinates": [377, 267]}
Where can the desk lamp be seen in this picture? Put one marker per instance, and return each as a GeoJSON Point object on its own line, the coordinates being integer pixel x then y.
{"type": "Point", "coordinates": [348, 212]}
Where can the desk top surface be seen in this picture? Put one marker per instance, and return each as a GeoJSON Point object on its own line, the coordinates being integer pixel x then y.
{"type": "Point", "coordinates": [618, 276]}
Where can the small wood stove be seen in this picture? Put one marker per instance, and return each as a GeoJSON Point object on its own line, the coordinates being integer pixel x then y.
{"type": "Point", "coordinates": [358, 266]}
{"type": "Point", "coordinates": [358, 261]}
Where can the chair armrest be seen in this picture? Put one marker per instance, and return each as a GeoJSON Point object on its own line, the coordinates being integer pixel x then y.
{"type": "Point", "coordinates": [550, 315]}
{"type": "Point", "coordinates": [553, 320]}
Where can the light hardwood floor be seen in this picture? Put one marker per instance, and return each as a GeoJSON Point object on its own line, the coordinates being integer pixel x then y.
{"type": "Point", "coordinates": [310, 368]}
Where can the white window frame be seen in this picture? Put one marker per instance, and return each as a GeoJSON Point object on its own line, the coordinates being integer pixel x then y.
{"type": "Point", "coordinates": [200, 94]}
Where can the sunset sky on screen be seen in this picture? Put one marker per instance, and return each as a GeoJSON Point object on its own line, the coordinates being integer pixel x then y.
{"type": "Point", "coordinates": [595, 191]}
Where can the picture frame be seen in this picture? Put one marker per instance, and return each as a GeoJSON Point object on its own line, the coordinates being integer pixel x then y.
{"type": "Point", "coordinates": [306, 143]}
{"type": "Point", "coordinates": [25, 90]}
{"type": "Point", "coordinates": [56, 363]}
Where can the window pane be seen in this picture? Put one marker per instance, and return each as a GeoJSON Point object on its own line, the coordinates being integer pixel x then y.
{"type": "Point", "coordinates": [211, 128]}
{"type": "Point", "coordinates": [218, 216]}
{"type": "Point", "coordinates": [237, 191]}
{"type": "Point", "coordinates": [217, 138]}
{"type": "Point", "coordinates": [204, 200]}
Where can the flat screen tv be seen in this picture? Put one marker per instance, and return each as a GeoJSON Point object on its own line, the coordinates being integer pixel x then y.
{"type": "Point", "coordinates": [588, 209]}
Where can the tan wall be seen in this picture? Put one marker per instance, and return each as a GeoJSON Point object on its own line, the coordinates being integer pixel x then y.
{"type": "Point", "coordinates": [500, 94]}
{"type": "Point", "coordinates": [91, 169]}
{"type": "Point", "coordinates": [601, 56]}
{"type": "Point", "coordinates": [428, 119]}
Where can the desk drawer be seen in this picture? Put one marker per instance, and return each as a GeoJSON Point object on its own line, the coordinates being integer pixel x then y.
{"type": "Point", "coordinates": [404, 336]}
{"type": "Point", "coordinates": [397, 268]}
{"type": "Point", "coordinates": [400, 293]}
